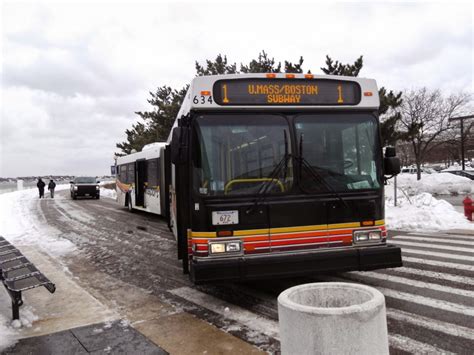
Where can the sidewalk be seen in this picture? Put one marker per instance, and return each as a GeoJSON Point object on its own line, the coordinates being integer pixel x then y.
{"type": "Point", "coordinates": [115, 337]}
{"type": "Point", "coordinates": [94, 313]}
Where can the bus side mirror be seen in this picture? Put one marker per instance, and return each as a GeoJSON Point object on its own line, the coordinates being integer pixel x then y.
{"type": "Point", "coordinates": [179, 148]}
{"type": "Point", "coordinates": [391, 163]}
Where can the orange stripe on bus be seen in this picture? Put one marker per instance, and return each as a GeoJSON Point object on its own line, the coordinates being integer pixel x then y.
{"type": "Point", "coordinates": [298, 234]}
{"type": "Point", "coordinates": [300, 241]}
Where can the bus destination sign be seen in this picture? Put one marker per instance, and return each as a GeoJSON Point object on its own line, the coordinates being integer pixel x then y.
{"type": "Point", "coordinates": [286, 92]}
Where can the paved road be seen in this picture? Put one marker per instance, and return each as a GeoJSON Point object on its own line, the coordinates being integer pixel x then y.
{"type": "Point", "coordinates": [430, 301]}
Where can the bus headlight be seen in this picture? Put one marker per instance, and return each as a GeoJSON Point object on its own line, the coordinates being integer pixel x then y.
{"type": "Point", "coordinates": [231, 247]}
{"type": "Point", "coordinates": [217, 248]}
{"type": "Point", "coordinates": [375, 235]}
{"type": "Point", "coordinates": [367, 236]}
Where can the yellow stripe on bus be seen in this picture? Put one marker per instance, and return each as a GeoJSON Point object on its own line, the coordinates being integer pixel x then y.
{"type": "Point", "coordinates": [203, 234]}
{"type": "Point", "coordinates": [251, 232]}
{"type": "Point", "coordinates": [344, 225]}
{"type": "Point", "coordinates": [319, 227]}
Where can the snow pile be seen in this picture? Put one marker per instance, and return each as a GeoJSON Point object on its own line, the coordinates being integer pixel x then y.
{"type": "Point", "coordinates": [9, 333]}
{"type": "Point", "coordinates": [435, 184]}
{"type": "Point", "coordinates": [109, 193]}
{"type": "Point", "coordinates": [422, 212]}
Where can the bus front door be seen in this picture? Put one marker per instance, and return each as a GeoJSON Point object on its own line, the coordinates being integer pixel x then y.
{"type": "Point", "coordinates": [140, 179]}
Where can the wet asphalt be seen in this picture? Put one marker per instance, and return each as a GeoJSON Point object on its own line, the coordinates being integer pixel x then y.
{"type": "Point", "coordinates": [430, 301]}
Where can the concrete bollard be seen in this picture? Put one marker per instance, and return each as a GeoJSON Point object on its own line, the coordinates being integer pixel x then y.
{"type": "Point", "coordinates": [332, 318]}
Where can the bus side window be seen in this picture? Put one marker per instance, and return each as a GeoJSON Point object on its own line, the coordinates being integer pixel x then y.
{"type": "Point", "coordinates": [152, 171]}
{"type": "Point", "coordinates": [131, 173]}
{"type": "Point", "coordinates": [123, 174]}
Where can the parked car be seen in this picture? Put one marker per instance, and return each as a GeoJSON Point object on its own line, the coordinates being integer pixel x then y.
{"type": "Point", "coordinates": [412, 170]}
{"type": "Point", "coordinates": [85, 186]}
{"type": "Point", "coordinates": [464, 173]}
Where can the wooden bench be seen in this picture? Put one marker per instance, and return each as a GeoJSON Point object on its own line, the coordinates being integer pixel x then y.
{"type": "Point", "coordinates": [18, 274]}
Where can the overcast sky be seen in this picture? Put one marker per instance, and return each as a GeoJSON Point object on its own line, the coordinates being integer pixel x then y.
{"type": "Point", "coordinates": [74, 74]}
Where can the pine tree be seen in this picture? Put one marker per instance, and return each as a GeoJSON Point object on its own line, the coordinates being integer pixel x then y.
{"type": "Point", "coordinates": [336, 68]}
{"type": "Point", "coordinates": [218, 66]}
{"type": "Point", "coordinates": [389, 102]}
{"type": "Point", "coordinates": [294, 68]}
{"type": "Point", "coordinates": [264, 64]}
{"type": "Point", "coordinates": [157, 124]}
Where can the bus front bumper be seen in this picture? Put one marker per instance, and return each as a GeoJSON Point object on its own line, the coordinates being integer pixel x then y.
{"type": "Point", "coordinates": [291, 264]}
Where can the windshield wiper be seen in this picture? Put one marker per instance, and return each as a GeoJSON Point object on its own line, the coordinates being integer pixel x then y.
{"type": "Point", "coordinates": [317, 177]}
{"type": "Point", "coordinates": [262, 191]}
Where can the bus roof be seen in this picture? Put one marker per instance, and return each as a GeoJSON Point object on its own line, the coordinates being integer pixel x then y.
{"type": "Point", "coordinates": [274, 91]}
{"type": "Point", "coordinates": [150, 151]}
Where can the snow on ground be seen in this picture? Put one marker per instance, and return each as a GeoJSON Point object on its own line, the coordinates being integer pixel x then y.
{"type": "Point", "coordinates": [435, 184]}
{"type": "Point", "coordinates": [108, 193]}
{"type": "Point", "coordinates": [422, 212]}
{"type": "Point", "coordinates": [21, 226]}
{"type": "Point", "coordinates": [418, 209]}
{"type": "Point", "coordinates": [8, 336]}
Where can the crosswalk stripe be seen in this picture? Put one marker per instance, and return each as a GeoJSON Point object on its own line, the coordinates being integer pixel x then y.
{"type": "Point", "coordinates": [430, 323]}
{"type": "Point", "coordinates": [421, 300]}
{"type": "Point", "coordinates": [360, 276]}
{"type": "Point", "coordinates": [230, 311]}
{"type": "Point", "coordinates": [434, 253]}
{"type": "Point", "coordinates": [427, 301]}
{"type": "Point", "coordinates": [432, 240]}
{"type": "Point", "coordinates": [434, 246]}
{"type": "Point", "coordinates": [413, 346]}
{"type": "Point", "coordinates": [447, 264]}
{"type": "Point", "coordinates": [442, 236]}
{"type": "Point", "coordinates": [436, 275]}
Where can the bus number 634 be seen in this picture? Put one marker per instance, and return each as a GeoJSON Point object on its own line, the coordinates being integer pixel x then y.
{"type": "Point", "coordinates": [202, 99]}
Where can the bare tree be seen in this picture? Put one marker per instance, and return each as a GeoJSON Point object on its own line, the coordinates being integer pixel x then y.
{"type": "Point", "coordinates": [452, 138]}
{"type": "Point", "coordinates": [425, 118]}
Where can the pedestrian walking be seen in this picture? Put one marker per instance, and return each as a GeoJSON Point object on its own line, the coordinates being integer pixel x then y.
{"type": "Point", "coordinates": [40, 186]}
{"type": "Point", "coordinates": [51, 187]}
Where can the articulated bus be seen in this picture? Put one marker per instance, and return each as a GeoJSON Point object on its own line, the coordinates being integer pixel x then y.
{"type": "Point", "coordinates": [140, 179]}
{"type": "Point", "coordinates": [271, 175]}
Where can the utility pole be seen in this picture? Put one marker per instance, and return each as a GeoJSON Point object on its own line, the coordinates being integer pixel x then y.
{"type": "Point", "coordinates": [462, 118]}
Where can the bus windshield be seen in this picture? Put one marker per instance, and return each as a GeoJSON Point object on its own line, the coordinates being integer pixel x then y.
{"type": "Point", "coordinates": [241, 154]}
{"type": "Point", "coordinates": [339, 150]}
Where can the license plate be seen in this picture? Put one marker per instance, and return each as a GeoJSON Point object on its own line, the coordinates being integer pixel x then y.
{"type": "Point", "coordinates": [225, 217]}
